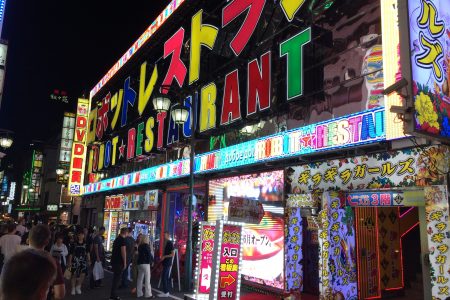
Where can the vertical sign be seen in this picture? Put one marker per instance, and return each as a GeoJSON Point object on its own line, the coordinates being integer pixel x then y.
{"type": "Point", "coordinates": [227, 262]}
{"type": "Point", "coordinates": [429, 44]}
{"type": "Point", "coordinates": [77, 162]}
{"type": "Point", "coordinates": [207, 235]}
{"type": "Point", "coordinates": [338, 248]}
{"type": "Point", "coordinates": [391, 66]}
{"type": "Point", "coordinates": [436, 206]}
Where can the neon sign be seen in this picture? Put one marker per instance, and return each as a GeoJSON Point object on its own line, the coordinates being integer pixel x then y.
{"type": "Point", "coordinates": [79, 149]}
{"type": "Point", "coordinates": [156, 24]}
{"type": "Point", "coordinates": [357, 129]}
{"type": "Point", "coordinates": [376, 199]}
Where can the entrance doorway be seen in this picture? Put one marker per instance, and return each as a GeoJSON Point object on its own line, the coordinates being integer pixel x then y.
{"type": "Point", "coordinates": [389, 247]}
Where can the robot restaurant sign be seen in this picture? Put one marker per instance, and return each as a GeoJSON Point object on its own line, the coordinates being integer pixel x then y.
{"type": "Point", "coordinates": [358, 129]}
{"type": "Point", "coordinates": [124, 126]}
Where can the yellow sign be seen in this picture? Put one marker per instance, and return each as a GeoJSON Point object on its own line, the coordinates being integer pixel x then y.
{"type": "Point", "coordinates": [77, 162]}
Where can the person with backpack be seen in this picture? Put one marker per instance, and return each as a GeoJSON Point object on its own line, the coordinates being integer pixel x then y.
{"type": "Point", "coordinates": [145, 260]}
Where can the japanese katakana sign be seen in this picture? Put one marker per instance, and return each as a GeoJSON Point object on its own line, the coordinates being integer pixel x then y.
{"type": "Point", "coordinates": [429, 22]}
{"type": "Point", "coordinates": [404, 168]}
{"type": "Point", "coordinates": [293, 249]}
{"type": "Point", "coordinates": [436, 204]}
{"type": "Point", "coordinates": [337, 248]}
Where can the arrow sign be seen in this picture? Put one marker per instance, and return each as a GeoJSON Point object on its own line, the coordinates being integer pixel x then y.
{"type": "Point", "coordinates": [226, 281]}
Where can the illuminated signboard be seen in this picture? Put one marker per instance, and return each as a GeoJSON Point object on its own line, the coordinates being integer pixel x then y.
{"type": "Point", "coordinates": [156, 24]}
{"type": "Point", "coordinates": [376, 199]}
{"type": "Point", "coordinates": [78, 159]}
{"type": "Point", "coordinates": [357, 129]}
{"type": "Point", "coordinates": [114, 202]}
{"type": "Point", "coordinates": [67, 138]}
{"type": "Point", "coordinates": [226, 272]}
{"type": "Point", "coordinates": [12, 191]}
{"type": "Point", "coordinates": [52, 207]}
{"type": "Point", "coordinates": [205, 258]}
{"type": "Point", "coordinates": [429, 23]}
{"type": "Point", "coordinates": [438, 239]}
{"type": "Point", "coordinates": [125, 127]}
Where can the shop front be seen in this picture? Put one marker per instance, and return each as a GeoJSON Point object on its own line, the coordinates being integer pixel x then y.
{"type": "Point", "coordinates": [380, 226]}
{"type": "Point", "coordinates": [309, 185]}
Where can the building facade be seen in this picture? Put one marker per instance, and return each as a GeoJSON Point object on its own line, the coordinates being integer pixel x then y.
{"type": "Point", "coordinates": [320, 125]}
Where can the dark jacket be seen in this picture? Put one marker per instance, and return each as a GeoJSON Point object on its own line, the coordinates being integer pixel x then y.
{"type": "Point", "coordinates": [145, 256]}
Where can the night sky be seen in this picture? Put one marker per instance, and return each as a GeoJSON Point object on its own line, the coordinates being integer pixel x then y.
{"type": "Point", "coordinates": [60, 44]}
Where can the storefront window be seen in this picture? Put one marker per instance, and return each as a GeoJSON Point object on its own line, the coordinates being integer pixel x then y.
{"type": "Point", "coordinates": [263, 243]}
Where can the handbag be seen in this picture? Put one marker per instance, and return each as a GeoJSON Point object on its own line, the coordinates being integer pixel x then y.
{"type": "Point", "coordinates": [97, 271]}
{"type": "Point", "coordinates": [67, 274]}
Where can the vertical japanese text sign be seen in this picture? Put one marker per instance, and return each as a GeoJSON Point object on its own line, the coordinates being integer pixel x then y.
{"type": "Point", "coordinates": [78, 159]}
{"type": "Point", "coordinates": [436, 206]}
{"type": "Point", "coordinates": [226, 273]}
{"type": "Point", "coordinates": [205, 258]}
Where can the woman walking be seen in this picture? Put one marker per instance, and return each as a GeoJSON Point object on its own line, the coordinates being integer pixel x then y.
{"type": "Point", "coordinates": [145, 259]}
{"type": "Point", "coordinates": [79, 262]}
{"type": "Point", "coordinates": [59, 251]}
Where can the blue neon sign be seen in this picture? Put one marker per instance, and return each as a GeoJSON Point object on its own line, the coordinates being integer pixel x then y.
{"type": "Point", "coordinates": [349, 131]}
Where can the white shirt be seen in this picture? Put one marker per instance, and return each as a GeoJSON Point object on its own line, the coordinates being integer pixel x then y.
{"type": "Point", "coordinates": [9, 245]}
{"type": "Point", "coordinates": [21, 229]}
{"type": "Point", "coordinates": [59, 250]}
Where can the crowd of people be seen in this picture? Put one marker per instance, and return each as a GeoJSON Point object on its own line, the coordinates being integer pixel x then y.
{"type": "Point", "coordinates": [41, 257]}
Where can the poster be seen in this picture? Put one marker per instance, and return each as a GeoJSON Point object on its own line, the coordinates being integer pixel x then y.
{"type": "Point", "coordinates": [206, 257]}
{"type": "Point", "coordinates": [294, 253]}
{"type": "Point", "coordinates": [229, 262]}
{"type": "Point", "coordinates": [429, 25]}
{"type": "Point", "coordinates": [402, 168]}
{"type": "Point", "coordinates": [245, 210]}
{"type": "Point", "coordinates": [338, 250]}
{"type": "Point", "coordinates": [436, 205]}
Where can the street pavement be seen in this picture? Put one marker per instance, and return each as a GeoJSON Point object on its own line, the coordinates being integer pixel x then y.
{"type": "Point", "coordinates": [125, 294]}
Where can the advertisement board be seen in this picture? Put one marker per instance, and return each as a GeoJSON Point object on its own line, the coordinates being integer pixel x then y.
{"type": "Point", "coordinates": [227, 261]}
{"type": "Point", "coordinates": [436, 205]}
{"type": "Point", "coordinates": [328, 104]}
{"type": "Point", "coordinates": [78, 158]}
{"type": "Point", "coordinates": [429, 25]}
{"type": "Point", "coordinates": [402, 168]}
{"type": "Point", "coordinates": [205, 258]}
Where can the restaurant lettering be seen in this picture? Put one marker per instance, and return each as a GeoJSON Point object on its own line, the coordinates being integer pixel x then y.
{"type": "Point", "coordinates": [113, 141]}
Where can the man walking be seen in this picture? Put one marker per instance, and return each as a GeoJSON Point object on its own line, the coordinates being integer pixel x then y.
{"type": "Point", "coordinates": [97, 255]}
{"type": "Point", "coordinates": [118, 261]}
{"type": "Point", "coordinates": [39, 238]}
{"type": "Point", "coordinates": [10, 242]}
{"type": "Point", "coordinates": [167, 258]}
{"type": "Point", "coordinates": [129, 241]}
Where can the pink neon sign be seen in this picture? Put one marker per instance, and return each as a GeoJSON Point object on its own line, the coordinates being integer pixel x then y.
{"type": "Point", "coordinates": [156, 24]}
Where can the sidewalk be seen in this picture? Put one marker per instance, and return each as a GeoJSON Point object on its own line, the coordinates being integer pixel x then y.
{"type": "Point", "coordinates": [125, 294]}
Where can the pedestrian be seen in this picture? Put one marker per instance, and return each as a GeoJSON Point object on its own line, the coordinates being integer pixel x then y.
{"type": "Point", "coordinates": [145, 260]}
{"type": "Point", "coordinates": [9, 243]}
{"type": "Point", "coordinates": [167, 258]}
{"type": "Point", "coordinates": [21, 229]}
{"type": "Point", "coordinates": [59, 252]}
{"type": "Point", "coordinates": [97, 255]}
{"type": "Point", "coordinates": [79, 262]}
{"type": "Point", "coordinates": [129, 241]}
{"type": "Point", "coordinates": [28, 275]}
{"type": "Point", "coordinates": [134, 266]}
{"type": "Point", "coordinates": [118, 261]}
{"type": "Point", "coordinates": [39, 238]}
